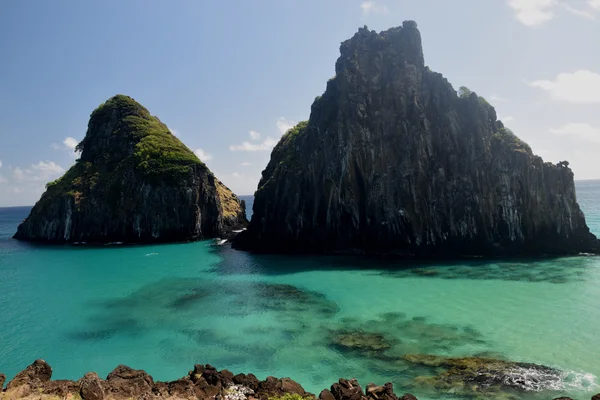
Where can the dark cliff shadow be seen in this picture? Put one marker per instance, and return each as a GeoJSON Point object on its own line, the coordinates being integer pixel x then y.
{"type": "Point", "coordinates": [550, 270]}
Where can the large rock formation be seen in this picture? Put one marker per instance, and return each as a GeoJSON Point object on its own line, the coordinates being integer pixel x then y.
{"type": "Point", "coordinates": [393, 160]}
{"type": "Point", "coordinates": [135, 182]}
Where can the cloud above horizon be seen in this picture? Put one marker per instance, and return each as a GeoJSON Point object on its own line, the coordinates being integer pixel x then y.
{"type": "Point", "coordinates": [43, 171]}
{"type": "Point", "coordinates": [534, 13]}
{"type": "Point", "coordinates": [203, 155]}
{"type": "Point", "coordinates": [372, 7]}
{"type": "Point", "coordinates": [581, 86]}
{"type": "Point", "coordinates": [583, 131]}
{"type": "Point", "coordinates": [282, 124]}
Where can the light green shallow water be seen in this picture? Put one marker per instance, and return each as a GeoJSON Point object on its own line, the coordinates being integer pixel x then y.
{"type": "Point", "coordinates": [164, 308]}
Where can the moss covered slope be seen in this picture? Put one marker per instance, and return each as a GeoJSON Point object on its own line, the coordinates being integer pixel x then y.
{"type": "Point", "coordinates": [135, 182]}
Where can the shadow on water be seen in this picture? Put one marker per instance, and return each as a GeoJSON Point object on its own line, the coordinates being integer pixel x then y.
{"type": "Point", "coordinates": [549, 270]}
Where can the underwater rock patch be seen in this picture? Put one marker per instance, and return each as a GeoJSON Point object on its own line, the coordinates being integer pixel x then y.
{"type": "Point", "coordinates": [363, 343]}
{"type": "Point", "coordinates": [170, 302]}
{"type": "Point", "coordinates": [390, 336]}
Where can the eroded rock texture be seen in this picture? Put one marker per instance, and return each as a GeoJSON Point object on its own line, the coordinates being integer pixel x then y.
{"type": "Point", "coordinates": [393, 160]}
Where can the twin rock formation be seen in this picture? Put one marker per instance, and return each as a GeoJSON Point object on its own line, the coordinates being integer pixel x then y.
{"type": "Point", "coordinates": [391, 161]}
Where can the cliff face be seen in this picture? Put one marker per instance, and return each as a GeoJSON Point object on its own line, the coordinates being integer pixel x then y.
{"type": "Point", "coordinates": [392, 160]}
{"type": "Point", "coordinates": [135, 182]}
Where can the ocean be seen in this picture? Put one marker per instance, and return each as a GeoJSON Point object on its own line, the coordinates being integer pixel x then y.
{"type": "Point", "coordinates": [164, 308]}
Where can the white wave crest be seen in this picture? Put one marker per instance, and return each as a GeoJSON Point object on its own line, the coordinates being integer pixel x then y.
{"type": "Point", "coordinates": [533, 379]}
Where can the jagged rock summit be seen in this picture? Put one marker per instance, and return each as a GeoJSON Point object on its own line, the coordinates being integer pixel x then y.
{"type": "Point", "coordinates": [394, 161]}
{"type": "Point", "coordinates": [135, 182]}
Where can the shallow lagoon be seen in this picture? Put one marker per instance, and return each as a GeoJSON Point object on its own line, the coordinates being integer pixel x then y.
{"type": "Point", "coordinates": [164, 308]}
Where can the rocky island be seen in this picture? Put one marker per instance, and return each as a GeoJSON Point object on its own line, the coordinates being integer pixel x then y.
{"type": "Point", "coordinates": [135, 182]}
{"type": "Point", "coordinates": [394, 161]}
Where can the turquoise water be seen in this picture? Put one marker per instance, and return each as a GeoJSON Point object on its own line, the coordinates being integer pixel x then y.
{"type": "Point", "coordinates": [164, 308]}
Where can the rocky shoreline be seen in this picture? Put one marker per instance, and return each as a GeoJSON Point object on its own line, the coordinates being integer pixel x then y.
{"type": "Point", "coordinates": [203, 382]}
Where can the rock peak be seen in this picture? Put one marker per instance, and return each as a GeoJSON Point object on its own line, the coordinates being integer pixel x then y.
{"type": "Point", "coordinates": [393, 47]}
{"type": "Point", "coordinates": [115, 127]}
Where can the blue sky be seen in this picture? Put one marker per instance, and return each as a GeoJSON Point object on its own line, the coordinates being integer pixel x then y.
{"type": "Point", "coordinates": [229, 77]}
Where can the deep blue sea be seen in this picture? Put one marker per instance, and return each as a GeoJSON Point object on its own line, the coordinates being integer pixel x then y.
{"type": "Point", "coordinates": [164, 308]}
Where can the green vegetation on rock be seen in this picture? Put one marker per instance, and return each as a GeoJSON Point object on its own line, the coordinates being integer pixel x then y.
{"type": "Point", "coordinates": [284, 151]}
{"type": "Point", "coordinates": [507, 137]}
{"type": "Point", "coordinates": [157, 153]}
{"type": "Point", "coordinates": [134, 182]}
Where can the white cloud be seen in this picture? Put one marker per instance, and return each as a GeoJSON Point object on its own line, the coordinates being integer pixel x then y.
{"type": "Point", "coordinates": [580, 13]}
{"type": "Point", "coordinates": [0, 163]}
{"type": "Point", "coordinates": [579, 87]}
{"type": "Point", "coordinates": [203, 155]}
{"type": "Point", "coordinates": [266, 145]}
{"type": "Point", "coordinates": [18, 174]}
{"type": "Point", "coordinates": [245, 164]}
{"type": "Point", "coordinates": [3, 179]}
{"type": "Point", "coordinates": [495, 97]}
{"type": "Point", "coordinates": [254, 135]}
{"type": "Point", "coordinates": [582, 130]}
{"type": "Point", "coordinates": [42, 171]}
{"type": "Point", "coordinates": [508, 118]}
{"type": "Point", "coordinates": [537, 12]}
{"type": "Point", "coordinates": [533, 12]}
{"type": "Point", "coordinates": [236, 175]}
{"type": "Point", "coordinates": [285, 125]}
{"type": "Point", "coordinates": [371, 7]}
{"type": "Point", "coordinates": [70, 142]}
{"type": "Point", "coordinates": [47, 168]}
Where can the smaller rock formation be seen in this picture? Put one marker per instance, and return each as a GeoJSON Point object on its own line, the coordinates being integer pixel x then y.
{"type": "Point", "coordinates": [135, 182]}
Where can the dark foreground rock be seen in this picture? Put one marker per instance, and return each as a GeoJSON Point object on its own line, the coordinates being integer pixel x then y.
{"type": "Point", "coordinates": [394, 161]}
{"type": "Point", "coordinates": [135, 182]}
{"type": "Point", "coordinates": [207, 383]}
{"type": "Point", "coordinates": [203, 382]}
